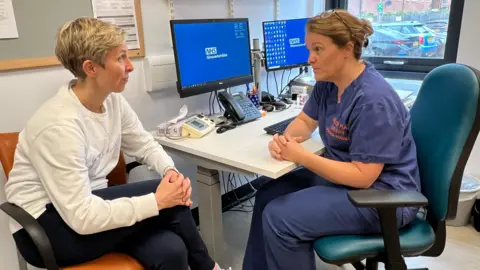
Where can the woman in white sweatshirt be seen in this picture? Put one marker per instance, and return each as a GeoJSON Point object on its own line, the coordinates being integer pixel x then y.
{"type": "Point", "coordinates": [73, 142]}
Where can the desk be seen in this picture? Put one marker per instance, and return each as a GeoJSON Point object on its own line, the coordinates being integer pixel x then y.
{"type": "Point", "coordinates": [241, 150]}
{"type": "Point", "coordinates": [403, 94]}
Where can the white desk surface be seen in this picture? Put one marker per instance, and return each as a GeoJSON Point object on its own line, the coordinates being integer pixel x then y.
{"type": "Point", "coordinates": [403, 94]}
{"type": "Point", "coordinates": [243, 149]}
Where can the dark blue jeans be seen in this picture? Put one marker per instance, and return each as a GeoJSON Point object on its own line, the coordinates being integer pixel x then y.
{"type": "Point", "coordinates": [167, 241]}
{"type": "Point", "coordinates": [294, 210]}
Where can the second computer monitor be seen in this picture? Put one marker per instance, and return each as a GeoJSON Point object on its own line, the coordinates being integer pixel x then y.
{"type": "Point", "coordinates": [211, 54]}
{"type": "Point", "coordinates": [285, 44]}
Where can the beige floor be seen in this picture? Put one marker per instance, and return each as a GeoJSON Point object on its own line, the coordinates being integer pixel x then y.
{"type": "Point", "coordinates": [461, 252]}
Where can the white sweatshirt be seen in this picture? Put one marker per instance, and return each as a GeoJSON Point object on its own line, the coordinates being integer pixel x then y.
{"type": "Point", "coordinates": [66, 151]}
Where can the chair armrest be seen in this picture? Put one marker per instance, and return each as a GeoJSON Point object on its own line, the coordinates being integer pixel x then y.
{"type": "Point", "coordinates": [386, 203]}
{"type": "Point", "coordinates": [132, 165]}
{"type": "Point", "coordinates": [386, 198]}
{"type": "Point", "coordinates": [35, 231]}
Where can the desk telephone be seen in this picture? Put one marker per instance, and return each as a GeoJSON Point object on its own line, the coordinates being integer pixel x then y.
{"type": "Point", "coordinates": [238, 107]}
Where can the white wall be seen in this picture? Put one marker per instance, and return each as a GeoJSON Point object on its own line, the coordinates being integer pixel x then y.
{"type": "Point", "coordinates": [30, 88]}
{"type": "Point", "coordinates": [468, 54]}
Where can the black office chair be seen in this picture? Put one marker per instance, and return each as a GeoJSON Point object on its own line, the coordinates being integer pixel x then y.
{"type": "Point", "coordinates": [445, 125]}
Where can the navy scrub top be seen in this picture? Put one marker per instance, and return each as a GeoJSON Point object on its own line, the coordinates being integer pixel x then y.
{"type": "Point", "coordinates": [370, 125]}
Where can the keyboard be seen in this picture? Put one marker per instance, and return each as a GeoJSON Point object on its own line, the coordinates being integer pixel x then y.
{"type": "Point", "coordinates": [278, 128]}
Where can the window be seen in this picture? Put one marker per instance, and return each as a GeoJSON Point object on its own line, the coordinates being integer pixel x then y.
{"type": "Point", "coordinates": [410, 36]}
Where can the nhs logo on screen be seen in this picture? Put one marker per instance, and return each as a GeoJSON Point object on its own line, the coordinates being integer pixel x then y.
{"type": "Point", "coordinates": [210, 51]}
{"type": "Point", "coordinates": [295, 42]}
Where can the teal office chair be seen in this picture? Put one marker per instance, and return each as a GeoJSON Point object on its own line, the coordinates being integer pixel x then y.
{"type": "Point", "coordinates": [445, 125]}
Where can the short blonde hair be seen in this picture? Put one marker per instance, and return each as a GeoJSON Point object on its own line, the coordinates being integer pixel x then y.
{"type": "Point", "coordinates": [86, 39]}
{"type": "Point", "coordinates": [342, 27]}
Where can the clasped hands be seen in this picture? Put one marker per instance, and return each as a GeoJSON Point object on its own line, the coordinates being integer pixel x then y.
{"type": "Point", "coordinates": [173, 190]}
{"type": "Point", "coordinates": [286, 147]}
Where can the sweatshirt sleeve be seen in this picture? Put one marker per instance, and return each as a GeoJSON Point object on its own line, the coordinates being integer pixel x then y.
{"type": "Point", "coordinates": [139, 143]}
{"type": "Point", "coordinates": [59, 156]}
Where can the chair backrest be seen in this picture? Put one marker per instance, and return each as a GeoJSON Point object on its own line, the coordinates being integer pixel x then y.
{"type": "Point", "coordinates": [8, 144]}
{"type": "Point", "coordinates": [118, 176]}
{"type": "Point", "coordinates": [445, 125]}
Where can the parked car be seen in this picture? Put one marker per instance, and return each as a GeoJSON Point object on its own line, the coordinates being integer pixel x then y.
{"type": "Point", "coordinates": [439, 27]}
{"type": "Point", "coordinates": [416, 33]}
{"type": "Point", "coordinates": [388, 43]}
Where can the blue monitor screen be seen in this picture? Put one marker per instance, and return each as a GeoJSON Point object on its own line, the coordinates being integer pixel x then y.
{"type": "Point", "coordinates": [285, 44]}
{"type": "Point", "coordinates": [210, 52]}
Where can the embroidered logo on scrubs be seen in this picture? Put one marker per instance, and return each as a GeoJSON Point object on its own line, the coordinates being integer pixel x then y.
{"type": "Point", "coordinates": [338, 130]}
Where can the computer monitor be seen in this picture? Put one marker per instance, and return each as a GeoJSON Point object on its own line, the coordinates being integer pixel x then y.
{"type": "Point", "coordinates": [285, 44]}
{"type": "Point", "coordinates": [211, 54]}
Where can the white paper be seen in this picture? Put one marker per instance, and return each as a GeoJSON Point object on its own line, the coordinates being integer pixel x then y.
{"type": "Point", "coordinates": [8, 25]}
{"type": "Point", "coordinates": [121, 13]}
{"type": "Point", "coordinates": [181, 114]}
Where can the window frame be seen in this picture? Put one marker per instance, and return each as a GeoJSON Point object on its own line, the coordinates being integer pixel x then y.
{"type": "Point", "coordinates": [402, 66]}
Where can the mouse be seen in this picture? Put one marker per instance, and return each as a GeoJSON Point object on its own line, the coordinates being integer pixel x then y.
{"type": "Point", "coordinates": [224, 128]}
{"type": "Point", "coordinates": [267, 107]}
{"type": "Point", "coordinates": [221, 130]}
{"type": "Point", "coordinates": [287, 101]}
{"type": "Point", "coordinates": [279, 105]}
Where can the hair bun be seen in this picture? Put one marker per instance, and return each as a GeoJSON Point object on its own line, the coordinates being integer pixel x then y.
{"type": "Point", "coordinates": [367, 27]}
{"type": "Point", "coordinates": [366, 42]}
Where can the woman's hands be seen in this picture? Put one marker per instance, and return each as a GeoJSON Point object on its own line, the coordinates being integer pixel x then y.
{"type": "Point", "coordinates": [286, 148]}
{"type": "Point", "coordinates": [173, 190]}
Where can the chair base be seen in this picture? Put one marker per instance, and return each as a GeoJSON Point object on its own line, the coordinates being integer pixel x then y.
{"type": "Point", "coordinates": [358, 266]}
{"type": "Point", "coordinates": [373, 265]}
{"type": "Point", "coordinates": [22, 264]}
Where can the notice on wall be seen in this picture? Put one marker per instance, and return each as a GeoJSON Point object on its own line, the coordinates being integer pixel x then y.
{"type": "Point", "coordinates": [121, 13]}
{"type": "Point", "coordinates": [8, 25]}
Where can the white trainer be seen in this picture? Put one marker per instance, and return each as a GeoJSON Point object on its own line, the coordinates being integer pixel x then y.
{"type": "Point", "coordinates": [217, 267]}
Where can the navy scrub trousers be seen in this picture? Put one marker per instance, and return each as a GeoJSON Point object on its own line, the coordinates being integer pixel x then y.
{"type": "Point", "coordinates": [294, 210]}
{"type": "Point", "coordinates": [169, 241]}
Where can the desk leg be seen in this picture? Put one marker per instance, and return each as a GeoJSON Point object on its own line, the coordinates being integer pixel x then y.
{"type": "Point", "coordinates": [210, 211]}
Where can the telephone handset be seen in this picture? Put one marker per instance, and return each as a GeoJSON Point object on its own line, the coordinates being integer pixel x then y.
{"type": "Point", "coordinates": [239, 107]}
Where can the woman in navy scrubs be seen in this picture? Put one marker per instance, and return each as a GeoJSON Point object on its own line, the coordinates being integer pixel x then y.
{"type": "Point", "coordinates": [368, 145]}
